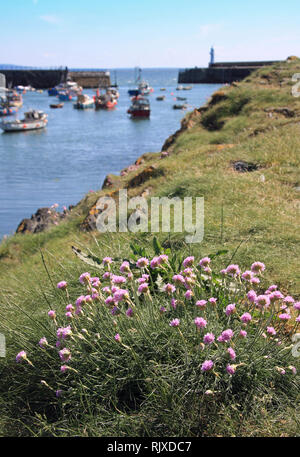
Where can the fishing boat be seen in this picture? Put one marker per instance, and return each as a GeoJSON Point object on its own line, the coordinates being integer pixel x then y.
{"type": "Point", "coordinates": [183, 106]}
{"type": "Point", "coordinates": [107, 100]}
{"type": "Point", "coordinates": [32, 120]}
{"type": "Point", "coordinates": [14, 99]}
{"type": "Point", "coordinates": [140, 108]}
{"type": "Point", "coordinates": [83, 102]}
{"type": "Point", "coordinates": [65, 96]}
{"type": "Point", "coordinates": [56, 105]}
{"type": "Point", "coordinates": [69, 86]}
{"type": "Point", "coordinates": [145, 88]}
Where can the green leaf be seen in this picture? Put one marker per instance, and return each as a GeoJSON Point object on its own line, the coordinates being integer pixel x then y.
{"type": "Point", "coordinates": [157, 246]}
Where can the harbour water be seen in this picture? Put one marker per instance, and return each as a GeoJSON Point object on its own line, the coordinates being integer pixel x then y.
{"type": "Point", "coordinates": [72, 156]}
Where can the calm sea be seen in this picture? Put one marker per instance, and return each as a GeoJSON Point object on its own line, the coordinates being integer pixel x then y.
{"type": "Point", "coordinates": [72, 156]}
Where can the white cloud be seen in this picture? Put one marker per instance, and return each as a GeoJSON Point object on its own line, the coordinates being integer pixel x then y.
{"type": "Point", "coordinates": [50, 18]}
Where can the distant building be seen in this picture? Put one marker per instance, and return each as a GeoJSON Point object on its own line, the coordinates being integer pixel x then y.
{"type": "Point", "coordinates": [212, 56]}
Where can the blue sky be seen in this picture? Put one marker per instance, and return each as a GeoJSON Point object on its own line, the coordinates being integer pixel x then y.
{"type": "Point", "coordinates": [153, 33]}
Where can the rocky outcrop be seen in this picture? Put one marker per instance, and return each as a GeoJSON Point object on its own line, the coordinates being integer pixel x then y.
{"type": "Point", "coordinates": [43, 219]}
{"type": "Point", "coordinates": [149, 172]}
{"type": "Point", "coordinates": [188, 122]}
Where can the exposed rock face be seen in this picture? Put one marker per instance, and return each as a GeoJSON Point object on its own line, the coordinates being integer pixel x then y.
{"type": "Point", "coordinates": [285, 111]}
{"type": "Point", "coordinates": [243, 166]}
{"type": "Point", "coordinates": [186, 123]}
{"type": "Point", "coordinates": [149, 172]}
{"type": "Point", "coordinates": [40, 221]}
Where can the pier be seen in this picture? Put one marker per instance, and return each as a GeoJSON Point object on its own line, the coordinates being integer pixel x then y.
{"type": "Point", "coordinates": [45, 79]}
{"type": "Point", "coordinates": [221, 72]}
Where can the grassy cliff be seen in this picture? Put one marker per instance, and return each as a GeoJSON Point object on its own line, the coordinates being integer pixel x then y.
{"type": "Point", "coordinates": [249, 216]}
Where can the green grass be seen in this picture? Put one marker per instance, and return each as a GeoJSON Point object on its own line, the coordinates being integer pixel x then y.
{"type": "Point", "coordinates": [253, 216]}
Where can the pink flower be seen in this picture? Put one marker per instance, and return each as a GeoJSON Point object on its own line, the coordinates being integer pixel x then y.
{"type": "Point", "coordinates": [284, 316]}
{"type": "Point", "coordinates": [163, 258]}
{"type": "Point", "coordinates": [106, 290]}
{"type": "Point", "coordinates": [117, 337]}
{"type": "Point", "coordinates": [80, 300]}
{"type": "Point", "coordinates": [173, 303]}
{"type": "Point", "coordinates": [129, 312]}
{"type": "Point", "coordinates": [293, 369]}
{"type": "Point", "coordinates": [107, 261]}
{"type": "Point", "coordinates": [246, 317]}
{"type": "Point", "coordinates": [69, 315]}
{"type": "Point", "coordinates": [64, 368]}
{"type": "Point", "coordinates": [118, 279]}
{"type": "Point", "coordinates": [178, 279]}
{"type": "Point", "coordinates": [297, 306]}
{"type": "Point", "coordinates": [169, 288]}
{"type": "Point", "coordinates": [243, 333]}
{"type": "Point", "coordinates": [175, 323]}
{"type": "Point", "coordinates": [258, 267]}
{"type": "Point", "coordinates": [188, 262]}
{"type": "Point", "coordinates": [65, 354]}
{"type": "Point", "coordinates": [207, 365]}
{"type": "Point", "coordinates": [188, 295]}
{"type": "Point", "coordinates": [251, 295]}
{"type": "Point", "coordinates": [230, 369]}
{"type": "Point", "coordinates": [298, 319]}
{"type": "Point", "coordinates": [85, 278]}
{"type": "Point", "coordinates": [43, 343]}
{"type": "Point", "coordinates": [204, 262]}
{"type": "Point", "coordinates": [262, 301]}
{"type": "Point", "coordinates": [289, 300]}
{"type": "Point", "coordinates": [200, 322]}
{"type": "Point", "coordinates": [212, 301]}
{"type": "Point", "coordinates": [271, 331]}
{"type": "Point", "coordinates": [226, 336]}
{"type": "Point", "coordinates": [52, 314]}
{"type": "Point", "coordinates": [230, 309]}
{"type": "Point", "coordinates": [233, 270]}
{"type": "Point", "coordinates": [141, 280]}
{"type": "Point", "coordinates": [143, 288]}
{"type": "Point", "coordinates": [109, 300]}
{"type": "Point", "coordinates": [231, 353]}
{"type": "Point", "coordinates": [247, 275]}
{"type": "Point", "coordinates": [154, 262]}
{"type": "Point", "coordinates": [255, 280]}
{"type": "Point", "coordinates": [276, 295]}
{"type": "Point", "coordinates": [125, 267]}
{"type": "Point", "coordinates": [120, 295]}
{"type": "Point", "coordinates": [201, 303]}
{"type": "Point", "coordinates": [62, 285]}
{"type": "Point", "coordinates": [21, 356]}
{"type": "Point", "coordinates": [142, 262]}
{"type": "Point", "coordinates": [272, 288]}
{"type": "Point", "coordinates": [69, 308]}
{"type": "Point", "coordinates": [106, 275]}
{"type": "Point", "coordinates": [209, 338]}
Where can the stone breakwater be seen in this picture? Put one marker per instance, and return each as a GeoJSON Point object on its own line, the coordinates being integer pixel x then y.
{"type": "Point", "coordinates": [44, 79]}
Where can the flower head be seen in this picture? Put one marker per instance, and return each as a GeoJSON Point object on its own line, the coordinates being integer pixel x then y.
{"type": "Point", "coordinates": [188, 261]}
{"type": "Point", "coordinates": [258, 267]}
{"type": "Point", "coordinates": [204, 262]}
{"type": "Point", "coordinates": [231, 353]}
{"type": "Point", "coordinates": [43, 343]}
{"type": "Point", "coordinates": [142, 262]}
{"type": "Point", "coordinates": [201, 303]}
{"type": "Point", "coordinates": [230, 369]}
{"type": "Point", "coordinates": [207, 365]}
{"type": "Point", "coordinates": [175, 323]}
{"type": "Point", "coordinates": [85, 278]}
{"type": "Point", "coordinates": [246, 317]}
{"type": "Point", "coordinates": [21, 356]}
{"type": "Point", "coordinates": [230, 309]}
{"type": "Point", "coordinates": [62, 285]}
{"type": "Point", "coordinates": [200, 322]}
{"type": "Point", "coordinates": [209, 338]}
{"type": "Point", "coordinates": [65, 354]}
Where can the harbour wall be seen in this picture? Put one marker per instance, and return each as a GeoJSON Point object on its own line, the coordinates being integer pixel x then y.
{"type": "Point", "coordinates": [220, 73]}
{"type": "Point", "coordinates": [45, 79]}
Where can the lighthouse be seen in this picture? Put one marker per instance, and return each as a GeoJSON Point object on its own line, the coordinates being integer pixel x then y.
{"type": "Point", "coordinates": [212, 56]}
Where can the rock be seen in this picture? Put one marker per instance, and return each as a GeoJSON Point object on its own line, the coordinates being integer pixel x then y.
{"type": "Point", "coordinates": [40, 221]}
{"type": "Point", "coordinates": [186, 123]}
{"type": "Point", "coordinates": [149, 172]}
{"type": "Point", "coordinates": [242, 166]}
{"type": "Point", "coordinates": [285, 111]}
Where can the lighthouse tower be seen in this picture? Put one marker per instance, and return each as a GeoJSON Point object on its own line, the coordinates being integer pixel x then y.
{"type": "Point", "coordinates": [212, 55]}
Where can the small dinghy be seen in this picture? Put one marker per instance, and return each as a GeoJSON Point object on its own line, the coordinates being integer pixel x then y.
{"type": "Point", "coordinates": [33, 120]}
{"type": "Point", "coordinates": [161, 98]}
{"type": "Point", "coordinates": [181, 98]}
{"type": "Point", "coordinates": [184, 106]}
{"type": "Point", "coordinates": [56, 105]}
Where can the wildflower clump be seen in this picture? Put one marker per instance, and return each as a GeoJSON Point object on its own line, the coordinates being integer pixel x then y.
{"type": "Point", "coordinates": [172, 331]}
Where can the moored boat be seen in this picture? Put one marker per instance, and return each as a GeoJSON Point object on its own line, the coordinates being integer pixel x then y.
{"type": "Point", "coordinates": [65, 96]}
{"type": "Point", "coordinates": [32, 120]}
{"type": "Point", "coordinates": [84, 102]}
{"type": "Point", "coordinates": [14, 99]}
{"type": "Point", "coordinates": [140, 108]}
{"type": "Point", "coordinates": [108, 100]}
{"type": "Point", "coordinates": [161, 97]}
{"type": "Point", "coordinates": [56, 105]}
{"type": "Point", "coordinates": [183, 106]}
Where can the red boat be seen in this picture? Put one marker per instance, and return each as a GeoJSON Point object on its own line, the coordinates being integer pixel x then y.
{"type": "Point", "coordinates": [105, 101]}
{"type": "Point", "coordinates": [140, 108]}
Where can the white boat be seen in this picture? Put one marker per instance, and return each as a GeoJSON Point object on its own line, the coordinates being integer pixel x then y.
{"type": "Point", "coordinates": [33, 120]}
{"type": "Point", "coordinates": [83, 102]}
